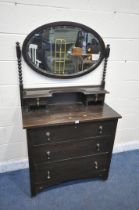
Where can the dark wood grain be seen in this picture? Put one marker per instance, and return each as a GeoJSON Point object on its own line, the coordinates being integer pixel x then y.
{"type": "Point", "coordinates": [41, 98]}
{"type": "Point", "coordinates": [48, 92]}
{"type": "Point", "coordinates": [63, 134]}
{"type": "Point", "coordinates": [58, 133]}
{"type": "Point", "coordinates": [52, 152]}
{"type": "Point", "coordinates": [78, 168]}
{"type": "Point", "coordinates": [70, 114]}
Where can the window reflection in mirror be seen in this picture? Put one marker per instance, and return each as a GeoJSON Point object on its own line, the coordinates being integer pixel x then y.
{"type": "Point", "coordinates": [63, 50]}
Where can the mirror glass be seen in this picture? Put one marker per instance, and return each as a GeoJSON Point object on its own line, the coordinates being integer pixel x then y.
{"type": "Point", "coordinates": [63, 50]}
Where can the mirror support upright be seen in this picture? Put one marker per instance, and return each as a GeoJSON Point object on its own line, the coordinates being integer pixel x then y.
{"type": "Point", "coordinates": [107, 53]}
{"type": "Point", "coordinates": [19, 62]}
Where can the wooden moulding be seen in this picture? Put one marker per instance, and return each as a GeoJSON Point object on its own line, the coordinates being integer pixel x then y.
{"type": "Point", "coordinates": [48, 92]}
{"type": "Point", "coordinates": [41, 98]}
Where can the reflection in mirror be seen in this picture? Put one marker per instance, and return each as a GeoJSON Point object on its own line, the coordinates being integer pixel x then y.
{"type": "Point", "coordinates": [63, 50]}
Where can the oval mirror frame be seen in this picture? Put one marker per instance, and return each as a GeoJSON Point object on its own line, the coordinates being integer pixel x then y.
{"type": "Point", "coordinates": [63, 24]}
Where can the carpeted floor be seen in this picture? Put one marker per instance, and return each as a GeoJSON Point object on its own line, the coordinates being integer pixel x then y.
{"type": "Point", "coordinates": [119, 192]}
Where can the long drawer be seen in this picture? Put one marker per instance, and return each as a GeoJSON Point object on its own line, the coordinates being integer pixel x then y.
{"type": "Point", "coordinates": [84, 167]}
{"type": "Point", "coordinates": [78, 131]}
{"type": "Point", "coordinates": [69, 149]}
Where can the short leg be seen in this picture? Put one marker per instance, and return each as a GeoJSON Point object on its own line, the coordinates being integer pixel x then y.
{"type": "Point", "coordinates": [33, 191]}
{"type": "Point", "coordinates": [105, 176]}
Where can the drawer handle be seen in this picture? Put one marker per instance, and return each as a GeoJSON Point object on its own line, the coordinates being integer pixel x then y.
{"type": "Point", "coordinates": [96, 165]}
{"type": "Point", "coordinates": [48, 154]}
{"type": "Point", "coordinates": [98, 147]}
{"type": "Point", "coordinates": [100, 129]}
{"type": "Point", "coordinates": [48, 175]}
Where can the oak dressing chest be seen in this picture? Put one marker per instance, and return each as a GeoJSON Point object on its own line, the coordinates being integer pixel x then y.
{"type": "Point", "coordinates": [70, 130]}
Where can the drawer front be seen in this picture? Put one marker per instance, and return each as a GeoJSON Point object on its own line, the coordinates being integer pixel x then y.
{"type": "Point", "coordinates": [79, 131]}
{"type": "Point", "coordinates": [85, 167]}
{"type": "Point", "coordinates": [70, 149]}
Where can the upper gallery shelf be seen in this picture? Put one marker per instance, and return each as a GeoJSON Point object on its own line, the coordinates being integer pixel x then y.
{"type": "Point", "coordinates": [63, 49]}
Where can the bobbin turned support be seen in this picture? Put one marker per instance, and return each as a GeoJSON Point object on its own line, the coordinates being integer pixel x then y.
{"type": "Point", "coordinates": [19, 62]}
{"type": "Point", "coordinates": [107, 53]}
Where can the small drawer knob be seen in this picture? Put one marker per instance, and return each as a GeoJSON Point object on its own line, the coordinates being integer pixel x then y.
{"type": "Point", "coordinates": [96, 165]}
{"type": "Point", "coordinates": [47, 133]}
{"type": "Point", "coordinates": [48, 175]}
{"type": "Point", "coordinates": [98, 147]}
{"type": "Point", "coordinates": [41, 187]}
{"type": "Point", "coordinates": [48, 154]}
{"type": "Point", "coordinates": [100, 129]}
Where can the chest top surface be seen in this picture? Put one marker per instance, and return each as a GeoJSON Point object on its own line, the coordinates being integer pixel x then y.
{"type": "Point", "coordinates": [69, 114]}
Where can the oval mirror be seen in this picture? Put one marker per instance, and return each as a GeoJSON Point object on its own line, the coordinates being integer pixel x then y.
{"type": "Point", "coordinates": [63, 49]}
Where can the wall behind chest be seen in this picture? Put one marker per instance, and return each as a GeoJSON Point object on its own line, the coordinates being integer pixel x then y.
{"type": "Point", "coordinates": [115, 21]}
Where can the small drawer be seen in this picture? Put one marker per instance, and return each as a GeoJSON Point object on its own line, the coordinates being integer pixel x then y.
{"type": "Point", "coordinates": [79, 168]}
{"type": "Point", "coordinates": [38, 136]}
{"type": "Point", "coordinates": [70, 149]}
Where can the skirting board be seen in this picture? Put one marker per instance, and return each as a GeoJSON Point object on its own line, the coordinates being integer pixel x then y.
{"type": "Point", "coordinates": [13, 165]}
{"type": "Point", "coordinates": [128, 146]}
{"type": "Point", "coordinates": [22, 164]}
